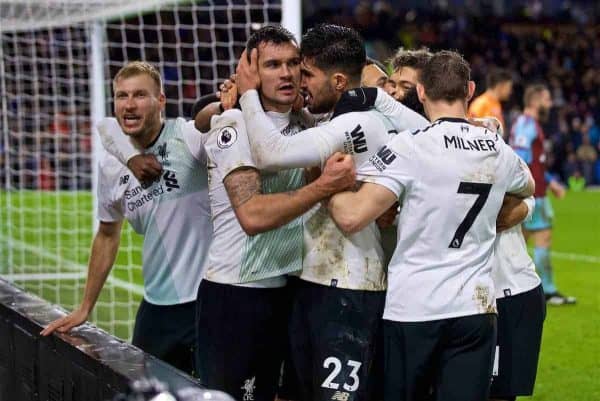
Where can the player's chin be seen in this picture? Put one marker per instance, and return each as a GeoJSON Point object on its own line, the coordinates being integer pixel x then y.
{"type": "Point", "coordinates": [287, 99]}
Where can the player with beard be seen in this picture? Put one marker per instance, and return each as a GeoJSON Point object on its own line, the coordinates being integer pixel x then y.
{"type": "Point", "coordinates": [527, 138]}
{"type": "Point", "coordinates": [257, 238]}
{"type": "Point", "coordinates": [339, 300]}
{"type": "Point", "coordinates": [439, 313]}
{"type": "Point", "coordinates": [517, 285]}
{"type": "Point", "coordinates": [172, 212]}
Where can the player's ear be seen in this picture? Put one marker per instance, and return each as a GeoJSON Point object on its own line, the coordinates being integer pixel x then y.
{"type": "Point", "coordinates": [471, 90]}
{"type": "Point", "coordinates": [162, 100]}
{"type": "Point", "coordinates": [421, 92]}
{"type": "Point", "coordinates": [340, 82]}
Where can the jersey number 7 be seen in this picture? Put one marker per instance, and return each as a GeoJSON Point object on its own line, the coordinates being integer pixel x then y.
{"type": "Point", "coordinates": [482, 191]}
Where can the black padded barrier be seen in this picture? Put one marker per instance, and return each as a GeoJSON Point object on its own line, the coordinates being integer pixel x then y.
{"type": "Point", "coordinates": [87, 364]}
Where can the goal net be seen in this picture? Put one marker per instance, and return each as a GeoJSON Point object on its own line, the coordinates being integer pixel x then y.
{"type": "Point", "coordinates": [56, 61]}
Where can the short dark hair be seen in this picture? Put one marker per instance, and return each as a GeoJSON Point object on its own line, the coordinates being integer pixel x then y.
{"type": "Point", "coordinates": [333, 46]}
{"type": "Point", "coordinates": [411, 58]}
{"type": "Point", "coordinates": [446, 76]}
{"type": "Point", "coordinates": [532, 91]}
{"type": "Point", "coordinates": [275, 34]}
{"type": "Point", "coordinates": [496, 76]}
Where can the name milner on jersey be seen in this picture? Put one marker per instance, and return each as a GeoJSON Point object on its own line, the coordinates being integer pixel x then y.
{"type": "Point", "coordinates": [480, 145]}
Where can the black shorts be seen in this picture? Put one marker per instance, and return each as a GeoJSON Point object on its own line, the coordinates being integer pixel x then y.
{"type": "Point", "coordinates": [167, 332]}
{"type": "Point", "coordinates": [520, 322]}
{"type": "Point", "coordinates": [333, 335]}
{"type": "Point", "coordinates": [447, 359]}
{"type": "Point", "coordinates": [241, 339]}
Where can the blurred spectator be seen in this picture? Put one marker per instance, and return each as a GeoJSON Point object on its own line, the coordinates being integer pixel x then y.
{"type": "Point", "coordinates": [499, 85]}
{"type": "Point", "coordinates": [587, 156]}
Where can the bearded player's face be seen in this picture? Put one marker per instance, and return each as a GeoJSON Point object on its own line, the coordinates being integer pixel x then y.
{"type": "Point", "coordinates": [138, 103]}
{"type": "Point", "coordinates": [279, 72]}
{"type": "Point", "coordinates": [320, 95]}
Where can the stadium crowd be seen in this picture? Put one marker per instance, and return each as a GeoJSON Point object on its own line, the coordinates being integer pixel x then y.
{"type": "Point", "coordinates": [557, 51]}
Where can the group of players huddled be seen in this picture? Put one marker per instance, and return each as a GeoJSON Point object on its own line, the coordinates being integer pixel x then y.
{"type": "Point", "coordinates": [266, 222]}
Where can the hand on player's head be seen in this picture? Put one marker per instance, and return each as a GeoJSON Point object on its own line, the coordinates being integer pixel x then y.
{"type": "Point", "coordinates": [247, 72]}
{"type": "Point", "coordinates": [339, 173]}
{"type": "Point", "coordinates": [228, 94]}
{"type": "Point", "coordinates": [146, 168]}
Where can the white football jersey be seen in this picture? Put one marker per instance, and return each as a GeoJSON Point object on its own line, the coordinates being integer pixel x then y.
{"type": "Point", "coordinates": [513, 271]}
{"type": "Point", "coordinates": [451, 178]}
{"type": "Point", "coordinates": [236, 258]}
{"type": "Point", "coordinates": [172, 213]}
{"type": "Point", "coordinates": [331, 257]}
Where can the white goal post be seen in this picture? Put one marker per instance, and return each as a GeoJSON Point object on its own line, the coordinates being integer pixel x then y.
{"type": "Point", "coordinates": [56, 61]}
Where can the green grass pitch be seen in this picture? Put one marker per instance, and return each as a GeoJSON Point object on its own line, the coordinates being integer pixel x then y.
{"type": "Point", "coordinates": [51, 230]}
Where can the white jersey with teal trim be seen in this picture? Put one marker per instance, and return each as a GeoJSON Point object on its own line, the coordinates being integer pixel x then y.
{"type": "Point", "coordinates": [514, 271]}
{"type": "Point", "coordinates": [236, 258]}
{"type": "Point", "coordinates": [451, 179]}
{"type": "Point", "coordinates": [172, 213]}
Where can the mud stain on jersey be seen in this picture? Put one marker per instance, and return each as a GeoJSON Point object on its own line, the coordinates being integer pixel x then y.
{"type": "Point", "coordinates": [483, 300]}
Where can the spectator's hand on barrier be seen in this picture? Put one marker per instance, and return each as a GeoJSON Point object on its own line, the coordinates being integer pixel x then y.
{"type": "Point", "coordinates": [513, 212]}
{"type": "Point", "coordinates": [557, 189]}
{"type": "Point", "coordinates": [388, 217]}
{"type": "Point", "coordinates": [339, 173]}
{"type": "Point", "coordinates": [247, 72]}
{"type": "Point", "coordinates": [146, 168]}
{"type": "Point", "coordinates": [64, 324]}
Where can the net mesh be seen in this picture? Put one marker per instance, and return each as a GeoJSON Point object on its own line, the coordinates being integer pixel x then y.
{"type": "Point", "coordinates": [46, 155]}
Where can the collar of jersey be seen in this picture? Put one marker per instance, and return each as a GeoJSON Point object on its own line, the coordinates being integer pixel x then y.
{"type": "Point", "coordinates": [453, 120]}
{"type": "Point", "coordinates": [162, 128]}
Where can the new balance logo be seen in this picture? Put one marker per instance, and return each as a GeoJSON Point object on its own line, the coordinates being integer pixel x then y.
{"type": "Point", "coordinates": [340, 396]}
{"type": "Point", "coordinates": [170, 180]}
{"type": "Point", "coordinates": [124, 179]}
{"type": "Point", "coordinates": [248, 388]}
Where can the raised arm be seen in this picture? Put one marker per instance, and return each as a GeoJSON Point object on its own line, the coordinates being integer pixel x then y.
{"type": "Point", "coordinates": [273, 151]}
{"type": "Point", "coordinates": [102, 257]}
{"type": "Point", "coordinates": [115, 141]}
{"type": "Point", "coordinates": [402, 117]}
{"type": "Point", "coordinates": [257, 212]}
{"type": "Point", "coordinates": [144, 167]}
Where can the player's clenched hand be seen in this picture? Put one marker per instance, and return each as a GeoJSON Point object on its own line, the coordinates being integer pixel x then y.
{"type": "Point", "coordinates": [514, 210]}
{"type": "Point", "coordinates": [339, 173]}
{"type": "Point", "coordinates": [388, 217]}
{"type": "Point", "coordinates": [64, 324]}
{"type": "Point", "coordinates": [146, 168]}
{"type": "Point", "coordinates": [247, 72]}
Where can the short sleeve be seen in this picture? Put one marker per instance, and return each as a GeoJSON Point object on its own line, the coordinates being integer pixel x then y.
{"type": "Point", "coordinates": [391, 166]}
{"type": "Point", "coordinates": [109, 210]}
{"type": "Point", "coordinates": [194, 139]}
{"type": "Point", "coordinates": [227, 143]}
